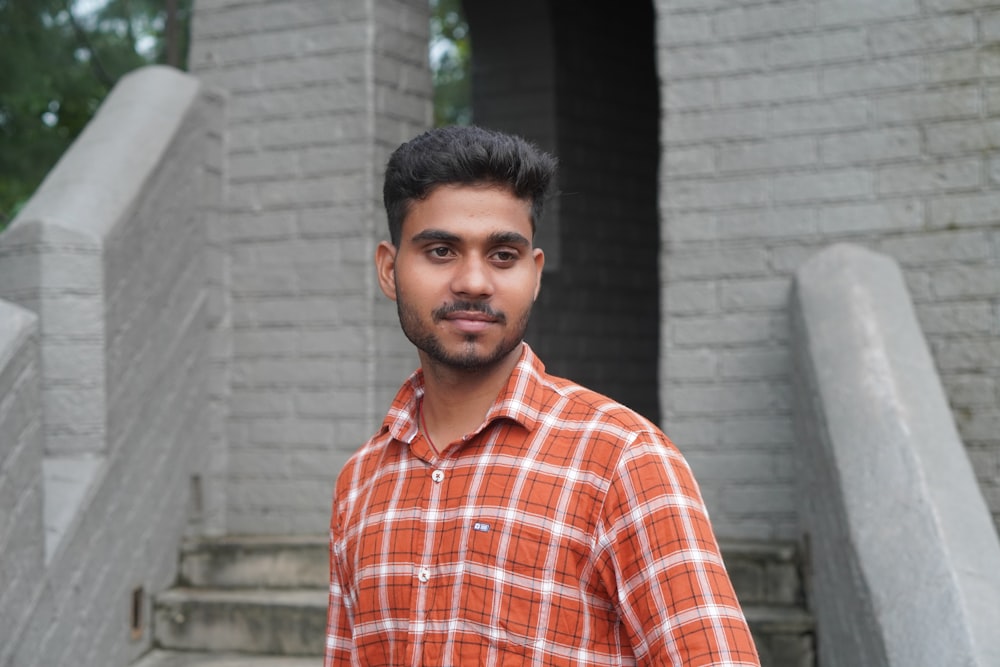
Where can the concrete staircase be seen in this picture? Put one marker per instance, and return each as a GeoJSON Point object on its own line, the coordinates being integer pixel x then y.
{"type": "Point", "coordinates": [768, 583]}
{"type": "Point", "coordinates": [254, 601]}
{"type": "Point", "coordinates": [261, 602]}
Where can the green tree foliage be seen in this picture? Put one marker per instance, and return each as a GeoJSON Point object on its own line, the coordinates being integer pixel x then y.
{"type": "Point", "coordinates": [58, 62]}
{"type": "Point", "coordinates": [451, 58]}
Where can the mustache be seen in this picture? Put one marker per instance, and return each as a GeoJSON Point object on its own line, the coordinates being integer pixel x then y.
{"type": "Point", "coordinates": [468, 307]}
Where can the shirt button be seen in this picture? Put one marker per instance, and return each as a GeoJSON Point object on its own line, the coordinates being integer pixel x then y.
{"type": "Point", "coordinates": [438, 476]}
{"type": "Point", "coordinates": [424, 576]}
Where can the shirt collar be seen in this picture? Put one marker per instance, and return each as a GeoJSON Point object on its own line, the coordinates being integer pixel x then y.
{"type": "Point", "coordinates": [520, 400]}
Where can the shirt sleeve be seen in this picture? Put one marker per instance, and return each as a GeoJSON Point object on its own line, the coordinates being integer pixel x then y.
{"type": "Point", "coordinates": [663, 563]}
{"type": "Point", "coordinates": [338, 617]}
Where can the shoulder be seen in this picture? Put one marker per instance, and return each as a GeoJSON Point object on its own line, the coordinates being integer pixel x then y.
{"type": "Point", "coordinates": [360, 466]}
{"type": "Point", "coordinates": [575, 403]}
{"type": "Point", "coordinates": [609, 431]}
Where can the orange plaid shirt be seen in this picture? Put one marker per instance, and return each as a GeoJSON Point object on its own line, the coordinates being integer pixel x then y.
{"type": "Point", "coordinates": [566, 530]}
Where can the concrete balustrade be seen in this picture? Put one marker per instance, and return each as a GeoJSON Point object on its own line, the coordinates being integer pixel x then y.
{"type": "Point", "coordinates": [905, 561]}
{"type": "Point", "coordinates": [106, 390]}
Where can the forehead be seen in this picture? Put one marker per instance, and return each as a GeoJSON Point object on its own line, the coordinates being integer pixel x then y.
{"type": "Point", "coordinates": [468, 209]}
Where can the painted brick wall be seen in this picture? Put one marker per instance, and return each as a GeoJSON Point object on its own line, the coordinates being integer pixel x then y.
{"type": "Point", "coordinates": [319, 93]}
{"type": "Point", "coordinates": [134, 217]}
{"type": "Point", "coordinates": [21, 530]}
{"type": "Point", "coordinates": [790, 125]}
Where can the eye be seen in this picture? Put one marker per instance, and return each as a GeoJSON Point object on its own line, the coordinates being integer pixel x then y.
{"type": "Point", "coordinates": [439, 252]}
{"type": "Point", "coordinates": [505, 257]}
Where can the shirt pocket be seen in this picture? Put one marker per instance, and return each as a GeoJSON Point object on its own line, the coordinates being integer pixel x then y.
{"type": "Point", "coordinates": [506, 575]}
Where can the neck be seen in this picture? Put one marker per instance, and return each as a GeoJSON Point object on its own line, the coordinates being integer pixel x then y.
{"type": "Point", "coordinates": [456, 400]}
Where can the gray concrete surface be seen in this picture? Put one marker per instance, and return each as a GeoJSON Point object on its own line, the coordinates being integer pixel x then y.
{"type": "Point", "coordinates": [905, 560]}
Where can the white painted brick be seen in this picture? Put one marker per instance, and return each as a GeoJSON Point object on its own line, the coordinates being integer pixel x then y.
{"type": "Point", "coordinates": [953, 5]}
{"type": "Point", "coordinates": [731, 398]}
{"type": "Point", "coordinates": [716, 193]}
{"type": "Point", "coordinates": [971, 390]}
{"type": "Point", "coordinates": [882, 216]}
{"type": "Point", "coordinates": [768, 154]}
{"type": "Point", "coordinates": [942, 104]}
{"type": "Point", "coordinates": [787, 258]}
{"type": "Point", "coordinates": [691, 94]}
{"type": "Point", "coordinates": [284, 372]}
{"type": "Point", "coordinates": [818, 47]}
{"type": "Point", "coordinates": [956, 318]}
{"type": "Point", "coordinates": [769, 430]}
{"type": "Point", "coordinates": [989, 26]}
{"type": "Point", "coordinates": [264, 281]}
{"type": "Point", "coordinates": [693, 431]}
{"type": "Point", "coordinates": [247, 403]}
{"type": "Point", "coordinates": [267, 311]}
{"type": "Point", "coordinates": [725, 262]}
{"type": "Point", "coordinates": [962, 246]}
{"type": "Point", "coordinates": [759, 294]}
{"type": "Point", "coordinates": [850, 113]}
{"type": "Point", "coordinates": [755, 20]}
{"type": "Point", "coordinates": [886, 73]}
{"type": "Point", "coordinates": [721, 330]}
{"type": "Point", "coordinates": [337, 402]}
{"type": "Point", "coordinates": [934, 176]}
{"type": "Point", "coordinates": [951, 66]}
{"type": "Point", "coordinates": [824, 185]}
{"type": "Point", "coordinates": [263, 165]}
{"type": "Point", "coordinates": [971, 209]}
{"type": "Point", "coordinates": [681, 227]}
{"type": "Point", "coordinates": [676, 29]}
{"type": "Point", "coordinates": [858, 11]}
{"type": "Point", "coordinates": [691, 365]}
{"type": "Point", "coordinates": [795, 222]}
{"type": "Point", "coordinates": [966, 281]}
{"type": "Point", "coordinates": [712, 59]}
{"type": "Point", "coordinates": [870, 146]}
{"type": "Point", "coordinates": [683, 298]}
{"type": "Point", "coordinates": [994, 169]}
{"type": "Point", "coordinates": [936, 32]}
{"type": "Point", "coordinates": [694, 161]}
{"type": "Point", "coordinates": [974, 355]}
{"type": "Point", "coordinates": [732, 466]}
{"type": "Point", "coordinates": [268, 431]}
{"type": "Point", "coordinates": [982, 425]}
{"type": "Point", "coordinates": [760, 497]}
{"type": "Point", "coordinates": [770, 87]}
{"type": "Point", "coordinates": [694, 126]}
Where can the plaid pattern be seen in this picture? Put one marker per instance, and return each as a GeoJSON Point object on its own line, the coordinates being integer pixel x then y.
{"type": "Point", "coordinates": [567, 530]}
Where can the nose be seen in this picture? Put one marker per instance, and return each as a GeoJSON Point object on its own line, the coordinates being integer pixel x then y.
{"type": "Point", "coordinates": [472, 278]}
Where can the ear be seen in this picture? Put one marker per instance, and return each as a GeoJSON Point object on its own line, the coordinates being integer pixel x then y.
{"type": "Point", "coordinates": [385, 266]}
{"type": "Point", "coordinates": [539, 257]}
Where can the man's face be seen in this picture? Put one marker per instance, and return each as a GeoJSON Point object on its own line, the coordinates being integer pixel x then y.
{"type": "Point", "coordinates": [464, 276]}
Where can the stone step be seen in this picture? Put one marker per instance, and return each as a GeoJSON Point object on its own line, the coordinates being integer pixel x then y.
{"type": "Point", "coordinates": [191, 659]}
{"type": "Point", "coordinates": [784, 634]}
{"type": "Point", "coordinates": [256, 562]}
{"type": "Point", "coordinates": [764, 573]}
{"type": "Point", "coordinates": [268, 595]}
{"type": "Point", "coordinates": [259, 621]}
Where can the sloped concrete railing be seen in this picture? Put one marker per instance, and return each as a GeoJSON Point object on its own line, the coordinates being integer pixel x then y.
{"type": "Point", "coordinates": [904, 556]}
{"type": "Point", "coordinates": [111, 376]}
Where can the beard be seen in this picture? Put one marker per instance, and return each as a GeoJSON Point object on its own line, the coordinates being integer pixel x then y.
{"type": "Point", "coordinates": [470, 357]}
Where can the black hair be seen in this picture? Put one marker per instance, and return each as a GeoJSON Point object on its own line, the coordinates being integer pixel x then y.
{"type": "Point", "coordinates": [464, 155]}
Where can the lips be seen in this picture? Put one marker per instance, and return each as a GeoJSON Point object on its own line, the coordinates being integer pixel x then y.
{"type": "Point", "coordinates": [470, 322]}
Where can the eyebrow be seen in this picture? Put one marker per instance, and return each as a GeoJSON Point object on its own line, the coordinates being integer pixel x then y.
{"type": "Point", "coordinates": [496, 238]}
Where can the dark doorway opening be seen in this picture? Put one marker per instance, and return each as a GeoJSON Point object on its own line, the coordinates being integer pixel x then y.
{"type": "Point", "coordinates": [579, 79]}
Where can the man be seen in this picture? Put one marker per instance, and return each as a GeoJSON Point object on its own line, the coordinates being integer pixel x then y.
{"type": "Point", "coordinates": [502, 516]}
